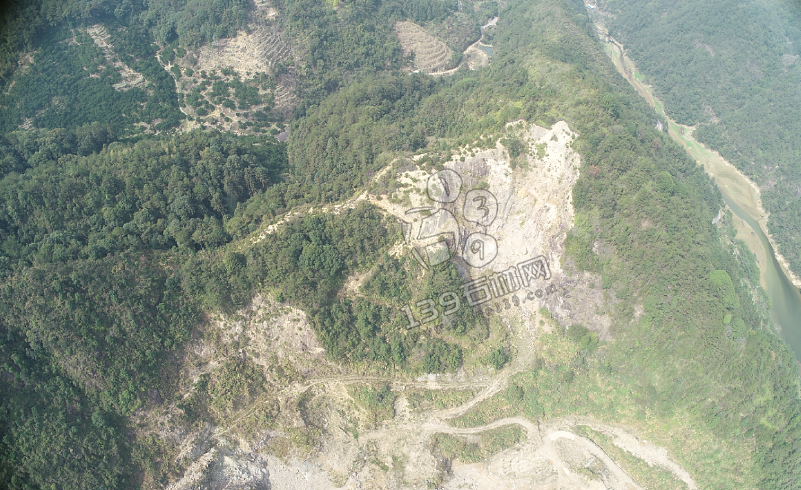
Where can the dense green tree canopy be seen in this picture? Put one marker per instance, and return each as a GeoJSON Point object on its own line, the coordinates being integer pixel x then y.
{"type": "Point", "coordinates": [731, 68]}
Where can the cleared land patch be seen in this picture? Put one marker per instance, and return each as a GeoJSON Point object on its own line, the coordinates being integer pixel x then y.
{"type": "Point", "coordinates": [431, 55]}
{"type": "Point", "coordinates": [258, 51]}
{"type": "Point", "coordinates": [315, 424]}
{"type": "Point", "coordinates": [244, 83]}
{"type": "Point", "coordinates": [130, 78]}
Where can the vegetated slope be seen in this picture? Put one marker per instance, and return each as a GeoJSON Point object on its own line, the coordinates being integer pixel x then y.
{"type": "Point", "coordinates": [641, 199]}
{"type": "Point", "coordinates": [113, 256]}
{"type": "Point", "coordinates": [636, 190]}
{"type": "Point", "coordinates": [68, 84]}
{"type": "Point", "coordinates": [69, 81]}
{"type": "Point", "coordinates": [732, 68]}
{"type": "Point", "coordinates": [245, 83]}
{"type": "Point", "coordinates": [93, 305]}
{"type": "Point", "coordinates": [356, 38]}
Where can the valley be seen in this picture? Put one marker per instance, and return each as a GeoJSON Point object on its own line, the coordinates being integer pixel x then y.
{"type": "Point", "coordinates": [745, 207]}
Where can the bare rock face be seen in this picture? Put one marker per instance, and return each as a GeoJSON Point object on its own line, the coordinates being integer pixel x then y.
{"type": "Point", "coordinates": [233, 473]}
{"type": "Point", "coordinates": [513, 209]}
{"type": "Point", "coordinates": [218, 469]}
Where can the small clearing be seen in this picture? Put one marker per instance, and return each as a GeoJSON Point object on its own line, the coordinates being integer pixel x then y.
{"type": "Point", "coordinates": [259, 58]}
{"type": "Point", "coordinates": [256, 50]}
{"type": "Point", "coordinates": [130, 78]}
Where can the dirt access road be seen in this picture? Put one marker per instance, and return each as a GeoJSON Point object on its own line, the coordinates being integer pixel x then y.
{"type": "Point", "coordinates": [551, 456]}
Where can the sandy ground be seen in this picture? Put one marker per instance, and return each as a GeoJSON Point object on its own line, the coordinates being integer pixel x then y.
{"type": "Point", "coordinates": [552, 456]}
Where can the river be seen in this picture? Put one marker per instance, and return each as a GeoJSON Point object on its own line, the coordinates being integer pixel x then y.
{"type": "Point", "coordinates": [742, 198]}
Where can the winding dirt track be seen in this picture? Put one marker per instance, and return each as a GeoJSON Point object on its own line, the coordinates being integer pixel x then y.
{"type": "Point", "coordinates": [544, 445]}
{"type": "Point", "coordinates": [493, 386]}
{"type": "Point", "coordinates": [545, 442]}
{"type": "Point", "coordinates": [551, 444]}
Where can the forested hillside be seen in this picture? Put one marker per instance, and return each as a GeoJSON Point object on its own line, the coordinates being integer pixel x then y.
{"type": "Point", "coordinates": [119, 248]}
{"type": "Point", "coordinates": [732, 69]}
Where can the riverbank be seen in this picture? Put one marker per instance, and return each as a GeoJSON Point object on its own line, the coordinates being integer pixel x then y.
{"type": "Point", "coordinates": [730, 179]}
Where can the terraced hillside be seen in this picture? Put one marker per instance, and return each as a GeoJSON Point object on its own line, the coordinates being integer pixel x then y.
{"type": "Point", "coordinates": [233, 84]}
{"type": "Point", "coordinates": [430, 53]}
{"type": "Point", "coordinates": [247, 52]}
{"type": "Point", "coordinates": [253, 74]}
